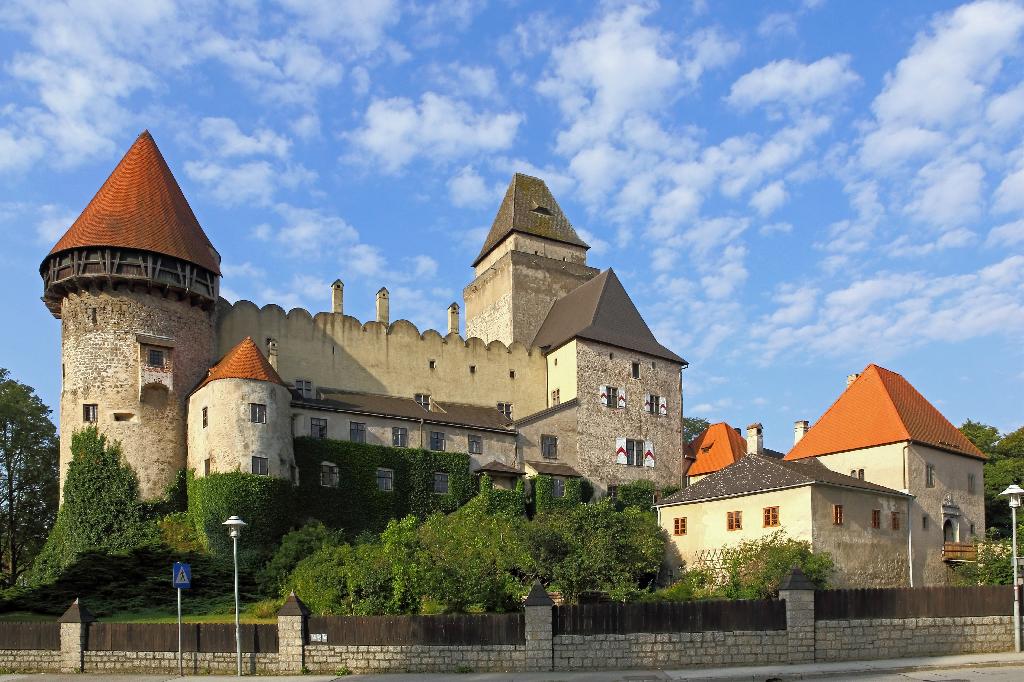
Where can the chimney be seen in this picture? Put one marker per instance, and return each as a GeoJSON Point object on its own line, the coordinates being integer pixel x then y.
{"type": "Point", "coordinates": [453, 319]}
{"type": "Point", "coordinates": [338, 297]}
{"type": "Point", "coordinates": [272, 353]}
{"type": "Point", "coordinates": [850, 378]}
{"type": "Point", "coordinates": [383, 311]}
{"type": "Point", "coordinates": [799, 430]}
{"type": "Point", "coordinates": [755, 439]}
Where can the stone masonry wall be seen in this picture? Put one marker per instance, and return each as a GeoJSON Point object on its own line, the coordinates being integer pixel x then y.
{"type": "Point", "coordinates": [29, 660]}
{"type": "Point", "coordinates": [415, 659]}
{"type": "Point", "coordinates": [167, 662]}
{"type": "Point", "coordinates": [668, 650]}
{"type": "Point", "coordinates": [852, 640]}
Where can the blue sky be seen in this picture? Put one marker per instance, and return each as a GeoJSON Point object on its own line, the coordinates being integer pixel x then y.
{"type": "Point", "coordinates": [789, 191]}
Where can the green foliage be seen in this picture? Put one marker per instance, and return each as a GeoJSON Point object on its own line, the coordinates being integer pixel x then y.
{"type": "Point", "coordinates": [264, 503]}
{"type": "Point", "coordinates": [755, 568]}
{"type": "Point", "coordinates": [357, 505]}
{"type": "Point", "coordinates": [295, 546]}
{"type": "Point", "coordinates": [639, 494]}
{"type": "Point", "coordinates": [500, 501]}
{"type": "Point", "coordinates": [1004, 467]}
{"type": "Point", "coordinates": [985, 437]}
{"type": "Point", "coordinates": [993, 564]}
{"type": "Point", "coordinates": [101, 510]}
{"type": "Point", "coordinates": [694, 584]}
{"type": "Point", "coordinates": [178, 533]}
{"type": "Point", "coordinates": [544, 499]}
{"type": "Point", "coordinates": [693, 427]}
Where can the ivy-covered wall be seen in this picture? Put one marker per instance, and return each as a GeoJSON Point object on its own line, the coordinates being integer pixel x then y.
{"type": "Point", "coordinates": [577, 491]}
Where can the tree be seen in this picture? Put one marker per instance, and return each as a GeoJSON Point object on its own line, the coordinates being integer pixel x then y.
{"type": "Point", "coordinates": [28, 477]}
{"type": "Point", "coordinates": [693, 427]}
{"type": "Point", "coordinates": [983, 436]}
{"type": "Point", "coordinates": [1004, 467]}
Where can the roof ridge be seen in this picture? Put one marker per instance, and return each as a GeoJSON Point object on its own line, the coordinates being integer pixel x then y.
{"type": "Point", "coordinates": [892, 400]}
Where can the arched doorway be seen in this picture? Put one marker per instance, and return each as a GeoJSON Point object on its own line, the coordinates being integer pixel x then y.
{"type": "Point", "coordinates": [949, 531]}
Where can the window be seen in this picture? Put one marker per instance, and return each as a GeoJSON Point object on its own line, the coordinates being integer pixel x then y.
{"type": "Point", "coordinates": [206, 417]}
{"type": "Point", "coordinates": [304, 387]}
{"type": "Point", "coordinates": [385, 480]}
{"type": "Point", "coordinates": [876, 518]}
{"type": "Point", "coordinates": [155, 357]}
{"type": "Point", "coordinates": [970, 483]}
{"type": "Point", "coordinates": [476, 445]}
{"type": "Point", "coordinates": [895, 520]}
{"type": "Point", "coordinates": [329, 477]}
{"type": "Point", "coordinates": [679, 526]}
{"type": "Point", "coordinates": [206, 467]}
{"type": "Point", "coordinates": [556, 397]}
{"type": "Point", "coordinates": [260, 466]}
{"type": "Point", "coordinates": [549, 446]}
{"type": "Point", "coordinates": [437, 441]}
{"type": "Point", "coordinates": [505, 409]}
{"type": "Point", "coordinates": [90, 413]}
{"type": "Point", "coordinates": [357, 432]}
{"type": "Point", "coordinates": [837, 514]}
{"type": "Point", "coordinates": [440, 482]}
{"type": "Point", "coordinates": [771, 517]}
{"type": "Point", "coordinates": [257, 413]}
{"type": "Point", "coordinates": [558, 487]}
{"type": "Point", "coordinates": [317, 427]}
{"type": "Point", "coordinates": [924, 522]}
{"type": "Point", "coordinates": [929, 476]}
{"type": "Point", "coordinates": [472, 369]}
{"type": "Point", "coordinates": [611, 356]}
{"type": "Point", "coordinates": [423, 400]}
{"type": "Point", "coordinates": [734, 520]}
{"type": "Point", "coordinates": [636, 370]}
{"type": "Point", "coordinates": [613, 396]}
{"type": "Point", "coordinates": [511, 374]}
{"type": "Point", "coordinates": [634, 453]}
{"type": "Point", "coordinates": [399, 437]}
{"type": "Point", "coordinates": [860, 474]}
{"type": "Point", "coordinates": [653, 365]}
{"type": "Point", "coordinates": [972, 529]}
{"type": "Point", "coordinates": [432, 364]}
{"type": "Point", "coordinates": [653, 405]}
{"type": "Point", "coordinates": [613, 492]}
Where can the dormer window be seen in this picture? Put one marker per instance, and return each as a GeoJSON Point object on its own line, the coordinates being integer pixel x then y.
{"type": "Point", "coordinates": [423, 400]}
{"type": "Point", "coordinates": [541, 210]}
{"type": "Point", "coordinates": [304, 387]}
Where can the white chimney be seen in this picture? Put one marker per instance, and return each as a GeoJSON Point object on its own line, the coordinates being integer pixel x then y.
{"type": "Point", "coordinates": [755, 439]}
{"type": "Point", "coordinates": [272, 353]}
{"type": "Point", "coordinates": [383, 309]}
{"type": "Point", "coordinates": [453, 319]}
{"type": "Point", "coordinates": [338, 297]}
{"type": "Point", "coordinates": [850, 378]}
{"type": "Point", "coordinates": [799, 430]}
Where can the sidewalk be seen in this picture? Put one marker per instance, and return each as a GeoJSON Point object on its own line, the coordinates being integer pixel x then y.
{"type": "Point", "coordinates": [735, 674]}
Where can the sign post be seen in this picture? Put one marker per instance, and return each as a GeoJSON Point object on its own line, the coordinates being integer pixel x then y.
{"type": "Point", "coordinates": [181, 578]}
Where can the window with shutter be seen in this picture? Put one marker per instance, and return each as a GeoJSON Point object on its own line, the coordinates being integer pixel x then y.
{"type": "Point", "coordinates": [604, 396]}
{"type": "Point", "coordinates": [663, 407]}
{"type": "Point", "coordinates": [649, 453]}
{"type": "Point", "coordinates": [621, 398]}
{"type": "Point", "coordinates": [620, 450]}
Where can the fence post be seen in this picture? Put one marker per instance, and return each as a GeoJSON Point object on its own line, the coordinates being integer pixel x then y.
{"type": "Point", "coordinates": [798, 593]}
{"type": "Point", "coordinates": [291, 636]}
{"type": "Point", "coordinates": [539, 637]}
{"type": "Point", "coordinates": [74, 637]}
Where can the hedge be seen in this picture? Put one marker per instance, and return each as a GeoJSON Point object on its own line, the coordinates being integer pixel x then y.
{"type": "Point", "coordinates": [577, 491]}
{"type": "Point", "coordinates": [500, 501]}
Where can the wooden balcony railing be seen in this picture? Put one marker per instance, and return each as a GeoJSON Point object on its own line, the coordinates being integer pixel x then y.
{"type": "Point", "coordinates": [959, 551]}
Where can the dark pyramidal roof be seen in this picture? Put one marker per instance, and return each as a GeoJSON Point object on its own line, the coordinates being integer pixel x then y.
{"type": "Point", "coordinates": [600, 310]}
{"type": "Point", "coordinates": [529, 208]}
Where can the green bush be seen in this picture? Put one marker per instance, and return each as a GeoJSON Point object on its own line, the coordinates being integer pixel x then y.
{"type": "Point", "coordinates": [993, 564]}
{"type": "Point", "coordinates": [755, 568]}
{"type": "Point", "coordinates": [101, 510]}
{"type": "Point", "coordinates": [500, 501]}
{"type": "Point", "coordinates": [639, 494]}
{"type": "Point", "coordinates": [295, 546]}
{"type": "Point", "coordinates": [178, 533]}
{"type": "Point", "coordinates": [544, 500]}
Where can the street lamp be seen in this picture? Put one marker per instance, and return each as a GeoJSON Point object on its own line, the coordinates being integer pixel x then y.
{"type": "Point", "coordinates": [1016, 494]}
{"type": "Point", "coordinates": [234, 525]}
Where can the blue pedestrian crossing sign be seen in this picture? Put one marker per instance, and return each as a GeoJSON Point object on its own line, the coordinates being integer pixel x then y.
{"type": "Point", "coordinates": [181, 576]}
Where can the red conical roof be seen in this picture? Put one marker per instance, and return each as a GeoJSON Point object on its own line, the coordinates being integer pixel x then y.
{"type": "Point", "coordinates": [140, 206]}
{"type": "Point", "coordinates": [244, 361]}
{"type": "Point", "coordinates": [716, 447]}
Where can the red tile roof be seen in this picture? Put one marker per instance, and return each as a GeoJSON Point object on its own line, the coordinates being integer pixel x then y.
{"type": "Point", "coordinates": [881, 407]}
{"type": "Point", "coordinates": [140, 206]}
{"type": "Point", "coordinates": [716, 447]}
{"type": "Point", "coordinates": [244, 361]}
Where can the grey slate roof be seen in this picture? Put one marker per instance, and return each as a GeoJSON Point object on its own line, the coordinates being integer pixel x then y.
{"type": "Point", "coordinates": [496, 467]}
{"type": "Point", "coordinates": [530, 208]}
{"type": "Point", "coordinates": [455, 414]}
{"type": "Point", "coordinates": [554, 469]}
{"type": "Point", "coordinates": [600, 310]}
{"type": "Point", "coordinates": [755, 474]}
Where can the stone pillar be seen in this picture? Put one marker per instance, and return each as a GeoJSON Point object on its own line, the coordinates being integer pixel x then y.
{"type": "Point", "coordinates": [291, 636]}
{"type": "Point", "coordinates": [74, 637]}
{"type": "Point", "coordinates": [539, 636]}
{"type": "Point", "coordinates": [383, 307]}
{"type": "Point", "coordinates": [338, 297]}
{"type": "Point", "coordinates": [453, 319]}
{"type": "Point", "coordinates": [798, 593]}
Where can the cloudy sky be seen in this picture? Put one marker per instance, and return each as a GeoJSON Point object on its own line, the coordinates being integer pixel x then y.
{"type": "Point", "coordinates": [789, 191]}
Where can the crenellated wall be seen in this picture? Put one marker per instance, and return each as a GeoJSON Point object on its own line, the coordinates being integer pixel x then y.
{"type": "Point", "coordinates": [339, 351]}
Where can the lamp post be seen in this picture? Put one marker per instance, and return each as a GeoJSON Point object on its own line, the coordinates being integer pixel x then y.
{"type": "Point", "coordinates": [234, 525]}
{"type": "Point", "coordinates": [1016, 494]}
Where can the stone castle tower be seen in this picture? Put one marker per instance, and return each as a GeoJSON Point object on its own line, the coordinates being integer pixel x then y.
{"type": "Point", "coordinates": [532, 257]}
{"type": "Point", "coordinates": [134, 282]}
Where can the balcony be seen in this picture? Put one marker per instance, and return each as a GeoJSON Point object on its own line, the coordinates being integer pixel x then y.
{"type": "Point", "coordinates": [959, 551]}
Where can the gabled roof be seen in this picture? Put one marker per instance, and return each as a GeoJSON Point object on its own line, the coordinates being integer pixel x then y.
{"type": "Point", "coordinates": [600, 310]}
{"type": "Point", "coordinates": [881, 407]}
{"type": "Point", "coordinates": [140, 206]}
{"type": "Point", "coordinates": [244, 361]}
{"type": "Point", "coordinates": [716, 447]}
{"type": "Point", "coordinates": [757, 474]}
{"type": "Point", "coordinates": [529, 208]}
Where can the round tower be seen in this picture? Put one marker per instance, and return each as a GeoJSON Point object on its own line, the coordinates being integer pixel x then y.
{"type": "Point", "coordinates": [134, 282]}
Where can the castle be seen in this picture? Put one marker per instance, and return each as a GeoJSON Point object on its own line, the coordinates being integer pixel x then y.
{"type": "Point", "coordinates": [558, 373]}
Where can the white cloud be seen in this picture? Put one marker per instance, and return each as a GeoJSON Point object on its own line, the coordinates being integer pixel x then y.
{"type": "Point", "coordinates": [312, 231]}
{"type": "Point", "coordinates": [398, 130]}
{"type": "Point", "coordinates": [1009, 195]}
{"type": "Point", "coordinates": [769, 198]}
{"type": "Point", "coordinates": [1006, 110]}
{"type": "Point", "coordinates": [775, 228]}
{"type": "Point", "coordinates": [790, 82]}
{"type": "Point", "coordinates": [423, 266]}
{"type": "Point", "coordinates": [947, 192]}
{"type": "Point", "coordinates": [306, 126]}
{"type": "Point", "coordinates": [229, 140]}
{"type": "Point", "coordinates": [462, 80]}
{"type": "Point", "coordinates": [360, 23]}
{"type": "Point", "coordinates": [777, 24]}
{"type": "Point", "coordinates": [467, 188]}
{"type": "Point", "coordinates": [1008, 234]}
{"type": "Point", "coordinates": [53, 222]}
{"type": "Point", "coordinates": [252, 181]}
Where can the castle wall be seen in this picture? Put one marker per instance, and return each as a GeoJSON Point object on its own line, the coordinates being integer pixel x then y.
{"type": "Point", "coordinates": [337, 351]}
{"type": "Point", "coordinates": [230, 439]}
{"type": "Point", "coordinates": [562, 422]}
{"type": "Point", "coordinates": [103, 338]}
{"type": "Point", "coordinates": [562, 373]}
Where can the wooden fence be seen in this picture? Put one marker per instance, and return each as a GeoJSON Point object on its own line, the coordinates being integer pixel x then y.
{"type": "Point", "coordinates": [914, 602]}
{"type": "Point", "coordinates": [23, 636]}
{"type": "Point", "coordinates": [472, 629]}
{"type": "Point", "coordinates": [698, 616]}
{"type": "Point", "coordinates": [201, 637]}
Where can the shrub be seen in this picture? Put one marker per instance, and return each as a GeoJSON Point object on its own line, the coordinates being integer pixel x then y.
{"type": "Point", "coordinates": [993, 564]}
{"type": "Point", "coordinates": [178, 533]}
{"type": "Point", "coordinates": [294, 546]}
{"type": "Point", "coordinates": [753, 569]}
{"type": "Point", "coordinates": [576, 493]}
{"type": "Point", "coordinates": [694, 584]}
{"type": "Point", "coordinates": [639, 494]}
{"type": "Point", "coordinates": [499, 501]}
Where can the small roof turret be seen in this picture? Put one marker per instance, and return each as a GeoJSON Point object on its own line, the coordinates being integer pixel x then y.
{"type": "Point", "coordinates": [244, 361]}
